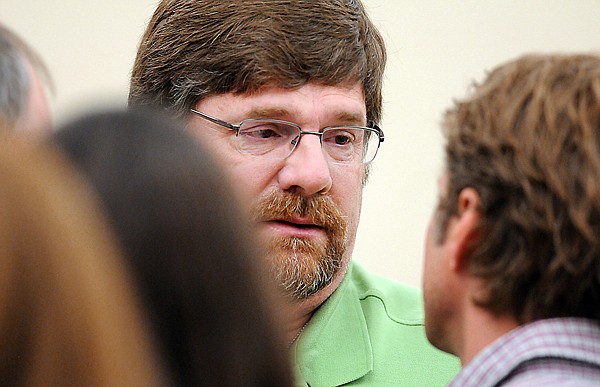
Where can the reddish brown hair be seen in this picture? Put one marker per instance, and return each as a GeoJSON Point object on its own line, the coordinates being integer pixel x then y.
{"type": "Point", "coordinates": [192, 49]}
{"type": "Point", "coordinates": [68, 312]}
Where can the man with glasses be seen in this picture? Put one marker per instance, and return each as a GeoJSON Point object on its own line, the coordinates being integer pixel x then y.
{"type": "Point", "coordinates": [287, 94]}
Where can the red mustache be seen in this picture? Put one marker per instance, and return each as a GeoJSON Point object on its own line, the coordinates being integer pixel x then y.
{"type": "Point", "coordinates": [321, 210]}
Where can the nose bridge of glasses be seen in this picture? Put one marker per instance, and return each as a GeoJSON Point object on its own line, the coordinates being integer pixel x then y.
{"type": "Point", "coordinates": [308, 147]}
{"type": "Point", "coordinates": [296, 138]}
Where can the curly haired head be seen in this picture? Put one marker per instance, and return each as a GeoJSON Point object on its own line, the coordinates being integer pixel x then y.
{"type": "Point", "coordinates": [528, 141]}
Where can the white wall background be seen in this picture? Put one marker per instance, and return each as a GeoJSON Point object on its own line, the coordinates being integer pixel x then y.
{"type": "Point", "coordinates": [436, 49]}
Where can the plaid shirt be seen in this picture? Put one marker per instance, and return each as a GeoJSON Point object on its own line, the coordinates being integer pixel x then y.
{"type": "Point", "coordinates": [553, 352]}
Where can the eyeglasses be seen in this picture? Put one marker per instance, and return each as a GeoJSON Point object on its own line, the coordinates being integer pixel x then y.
{"type": "Point", "coordinates": [277, 139]}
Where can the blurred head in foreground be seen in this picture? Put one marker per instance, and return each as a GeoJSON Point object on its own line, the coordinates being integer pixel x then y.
{"type": "Point", "coordinates": [187, 245]}
{"type": "Point", "coordinates": [68, 316]}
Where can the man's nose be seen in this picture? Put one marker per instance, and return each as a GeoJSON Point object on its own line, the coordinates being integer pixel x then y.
{"type": "Point", "coordinates": [306, 168]}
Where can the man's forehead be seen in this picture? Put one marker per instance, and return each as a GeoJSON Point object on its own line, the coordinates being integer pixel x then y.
{"type": "Point", "coordinates": [341, 104]}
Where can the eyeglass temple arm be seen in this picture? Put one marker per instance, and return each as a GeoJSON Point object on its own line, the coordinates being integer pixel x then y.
{"type": "Point", "coordinates": [215, 120]}
{"type": "Point", "coordinates": [379, 132]}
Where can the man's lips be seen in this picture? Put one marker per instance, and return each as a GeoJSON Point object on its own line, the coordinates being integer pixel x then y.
{"type": "Point", "coordinates": [298, 227]}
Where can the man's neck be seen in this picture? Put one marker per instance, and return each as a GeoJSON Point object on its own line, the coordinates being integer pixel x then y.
{"type": "Point", "coordinates": [295, 328]}
{"type": "Point", "coordinates": [480, 330]}
{"type": "Point", "coordinates": [299, 313]}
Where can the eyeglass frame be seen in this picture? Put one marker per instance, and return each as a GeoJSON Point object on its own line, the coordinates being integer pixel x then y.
{"type": "Point", "coordinates": [237, 128]}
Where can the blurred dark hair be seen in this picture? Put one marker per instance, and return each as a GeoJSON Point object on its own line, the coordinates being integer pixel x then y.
{"type": "Point", "coordinates": [188, 246]}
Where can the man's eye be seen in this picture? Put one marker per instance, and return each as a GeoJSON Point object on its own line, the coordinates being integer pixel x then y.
{"type": "Point", "coordinates": [339, 137]}
{"type": "Point", "coordinates": [260, 133]}
{"type": "Point", "coordinates": [266, 130]}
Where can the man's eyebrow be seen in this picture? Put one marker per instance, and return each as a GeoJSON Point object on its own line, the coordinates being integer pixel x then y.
{"type": "Point", "coordinates": [269, 112]}
{"type": "Point", "coordinates": [341, 118]}
{"type": "Point", "coordinates": [350, 118]}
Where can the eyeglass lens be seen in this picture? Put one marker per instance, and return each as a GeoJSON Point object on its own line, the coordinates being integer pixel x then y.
{"type": "Point", "coordinates": [277, 139]}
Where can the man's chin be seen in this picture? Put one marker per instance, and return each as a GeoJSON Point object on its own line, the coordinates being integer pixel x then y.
{"type": "Point", "coordinates": [302, 270]}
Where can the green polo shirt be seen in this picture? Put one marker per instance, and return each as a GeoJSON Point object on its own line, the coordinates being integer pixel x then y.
{"type": "Point", "coordinates": [370, 332]}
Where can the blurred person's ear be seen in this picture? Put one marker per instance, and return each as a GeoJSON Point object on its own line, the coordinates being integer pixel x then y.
{"type": "Point", "coordinates": [462, 232]}
{"type": "Point", "coordinates": [36, 119]}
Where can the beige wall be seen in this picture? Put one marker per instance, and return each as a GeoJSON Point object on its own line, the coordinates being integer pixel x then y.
{"type": "Point", "coordinates": [436, 48]}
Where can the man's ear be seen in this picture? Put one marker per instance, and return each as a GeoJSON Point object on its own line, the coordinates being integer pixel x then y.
{"type": "Point", "coordinates": [462, 230]}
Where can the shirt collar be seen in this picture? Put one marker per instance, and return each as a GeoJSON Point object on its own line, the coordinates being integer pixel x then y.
{"type": "Point", "coordinates": [573, 338]}
{"type": "Point", "coordinates": [335, 347]}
